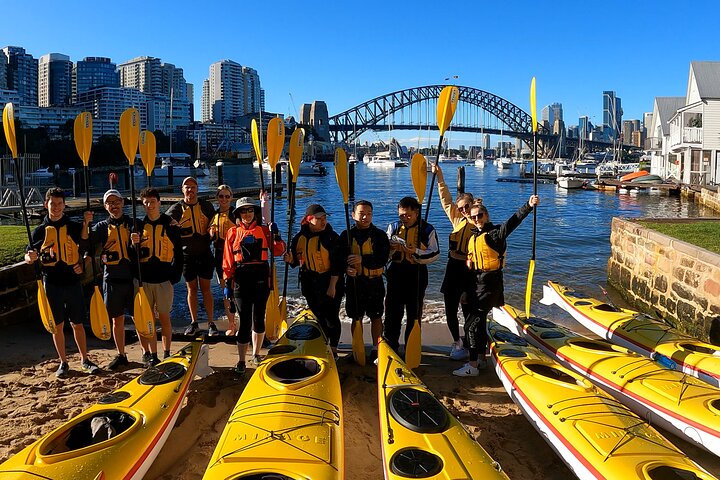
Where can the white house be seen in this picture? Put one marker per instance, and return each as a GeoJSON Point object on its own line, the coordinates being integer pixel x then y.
{"type": "Point", "coordinates": [694, 143]}
{"type": "Point", "coordinates": [658, 141]}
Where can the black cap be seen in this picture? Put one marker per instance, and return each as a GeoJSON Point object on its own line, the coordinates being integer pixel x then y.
{"type": "Point", "coordinates": [314, 209]}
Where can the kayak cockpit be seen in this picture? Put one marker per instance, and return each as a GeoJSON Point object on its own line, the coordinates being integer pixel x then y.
{"type": "Point", "coordinates": [88, 431]}
{"type": "Point", "coordinates": [294, 370]}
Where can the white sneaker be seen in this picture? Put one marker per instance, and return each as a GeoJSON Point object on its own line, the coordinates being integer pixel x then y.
{"type": "Point", "coordinates": [467, 370]}
{"type": "Point", "coordinates": [458, 352]}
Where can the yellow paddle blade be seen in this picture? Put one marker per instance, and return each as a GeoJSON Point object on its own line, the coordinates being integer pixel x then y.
{"type": "Point", "coordinates": [82, 133]}
{"type": "Point", "coordinates": [256, 141]}
{"type": "Point", "coordinates": [46, 314]}
{"type": "Point", "coordinates": [272, 310]}
{"type": "Point", "coordinates": [533, 105]}
{"type": "Point", "coordinates": [446, 107]}
{"type": "Point", "coordinates": [9, 127]}
{"type": "Point", "coordinates": [296, 150]}
{"type": "Point", "coordinates": [528, 288]}
{"type": "Point", "coordinates": [143, 315]}
{"type": "Point", "coordinates": [358, 344]}
{"type": "Point", "coordinates": [99, 320]}
{"type": "Point", "coordinates": [341, 173]}
{"type": "Point", "coordinates": [413, 349]}
{"type": "Point", "coordinates": [283, 317]}
{"type": "Point", "coordinates": [130, 133]}
{"type": "Point", "coordinates": [275, 140]}
{"type": "Point", "coordinates": [147, 151]}
{"type": "Point", "coordinates": [418, 170]}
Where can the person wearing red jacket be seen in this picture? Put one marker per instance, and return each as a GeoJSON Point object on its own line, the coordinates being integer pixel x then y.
{"type": "Point", "coordinates": [247, 273]}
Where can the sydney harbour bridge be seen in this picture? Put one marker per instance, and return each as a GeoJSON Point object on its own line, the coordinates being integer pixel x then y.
{"type": "Point", "coordinates": [477, 111]}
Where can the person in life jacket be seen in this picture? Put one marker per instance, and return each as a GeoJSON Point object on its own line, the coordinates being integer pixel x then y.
{"type": "Point", "coordinates": [246, 270]}
{"type": "Point", "coordinates": [57, 243]}
{"type": "Point", "coordinates": [457, 275]}
{"type": "Point", "coordinates": [222, 221]}
{"type": "Point", "coordinates": [112, 237]}
{"type": "Point", "coordinates": [365, 255]}
{"type": "Point", "coordinates": [486, 259]}
{"type": "Point", "coordinates": [194, 216]}
{"type": "Point", "coordinates": [160, 251]}
{"type": "Point", "coordinates": [312, 249]}
{"type": "Point", "coordinates": [407, 276]}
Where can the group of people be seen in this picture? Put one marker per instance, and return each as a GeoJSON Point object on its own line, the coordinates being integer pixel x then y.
{"type": "Point", "coordinates": [194, 240]}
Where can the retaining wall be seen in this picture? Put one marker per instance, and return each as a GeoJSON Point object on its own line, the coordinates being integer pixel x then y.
{"type": "Point", "coordinates": [660, 274]}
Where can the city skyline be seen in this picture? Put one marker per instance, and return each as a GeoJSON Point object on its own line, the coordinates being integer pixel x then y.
{"type": "Point", "coordinates": [345, 56]}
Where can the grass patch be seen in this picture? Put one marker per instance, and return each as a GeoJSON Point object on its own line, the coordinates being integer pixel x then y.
{"type": "Point", "coordinates": [704, 234]}
{"type": "Point", "coordinates": [12, 246]}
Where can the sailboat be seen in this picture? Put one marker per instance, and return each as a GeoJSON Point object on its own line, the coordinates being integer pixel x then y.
{"type": "Point", "coordinates": [503, 162]}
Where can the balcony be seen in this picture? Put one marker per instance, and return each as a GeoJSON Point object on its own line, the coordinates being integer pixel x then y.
{"type": "Point", "coordinates": [685, 136]}
{"type": "Point", "coordinates": [653, 143]}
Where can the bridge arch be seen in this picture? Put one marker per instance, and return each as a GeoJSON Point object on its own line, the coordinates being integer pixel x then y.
{"type": "Point", "coordinates": [347, 126]}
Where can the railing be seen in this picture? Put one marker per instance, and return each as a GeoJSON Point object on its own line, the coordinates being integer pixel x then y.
{"type": "Point", "coordinates": [686, 135]}
{"type": "Point", "coordinates": [653, 143]}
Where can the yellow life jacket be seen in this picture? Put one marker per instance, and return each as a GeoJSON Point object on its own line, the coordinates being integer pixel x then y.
{"type": "Point", "coordinates": [222, 222]}
{"type": "Point", "coordinates": [58, 246]}
{"type": "Point", "coordinates": [410, 235]}
{"type": "Point", "coordinates": [193, 221]}
{"type": "Point", "coordinates": [482, 256]}
{"type": "Point", "coordinates": [365, 249]}
{"type": "Point", "coordinates": [459, 238]}
{"type": "Point", "coordinates": [116, 246]}
{"type": "Point", "coordinates": [312, 254]}
{"type": "Point", "coordinates": [155, 243]}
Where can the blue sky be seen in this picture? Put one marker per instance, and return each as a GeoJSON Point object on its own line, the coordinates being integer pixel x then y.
{"type": "Point", "coordinates": [349, 52]}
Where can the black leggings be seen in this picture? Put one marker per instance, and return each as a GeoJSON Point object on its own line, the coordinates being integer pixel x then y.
{"type": "Point", "coordinates": [251, 293]}
{"type": "Point", "coordinates": [326, 309]}
{"type": "Point", "coordinates": [405, 293]}
{"type": "Point", "coordinates": [456, 281]}
{"type": "Point", "coordinates": [476, 333]}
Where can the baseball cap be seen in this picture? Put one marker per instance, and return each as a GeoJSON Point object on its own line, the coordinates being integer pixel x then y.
{"type": "Point", "coordinates": [112, 193]}
{"type": "Point", "coordinates": [245, 202]}
{"type": "Point", "coordinates": [189, 179]}
{"type": "Point", "coordinates": [314, 209]}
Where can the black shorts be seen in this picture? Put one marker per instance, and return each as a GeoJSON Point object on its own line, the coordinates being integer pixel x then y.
{"type": "Point", "coordinates": [67, 302]}
{"type": "Point", "coordinates": [364, 296]}
{"type": "Point", "coordinates": [201, 266]}
{"type": "Point", "coordinates": [119, 297]}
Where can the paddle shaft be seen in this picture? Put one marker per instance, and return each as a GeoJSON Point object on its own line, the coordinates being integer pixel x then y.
{"type": "Point", "coordinates": [16, 162]}
{"type": "Point", "coordinates": [291, 202]}
{"type": "Point", "coordinates": [432, 182]}
{"type": "Point", "coordinates": [535, 169]}
{"type": "Point", "coordinates": [134, 216]}
{"type": "Point", "coordinates": [87, 205]}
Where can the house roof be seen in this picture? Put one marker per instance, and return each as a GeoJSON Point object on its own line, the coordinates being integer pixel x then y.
{"type": "Point", "coordinates": [667, 106]}
{"type": "Point", "coordinates": [707, 77]}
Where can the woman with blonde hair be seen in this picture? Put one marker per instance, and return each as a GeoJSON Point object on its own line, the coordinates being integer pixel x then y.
{"type": "Point", "coordinates": [219, 225]}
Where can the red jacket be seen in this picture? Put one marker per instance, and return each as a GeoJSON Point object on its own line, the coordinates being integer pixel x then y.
{"type": "Point", "coordinates": [248, 245]}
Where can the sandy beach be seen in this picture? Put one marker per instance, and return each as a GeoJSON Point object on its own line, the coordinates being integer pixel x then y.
{"type": "Point", "coordinates": [33, 402]}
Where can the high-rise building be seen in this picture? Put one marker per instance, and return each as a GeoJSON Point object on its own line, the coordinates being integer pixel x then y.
{"type": "Point", "coordinates": [486, 141]}
{"type": "Point", "coordinates": [107, 104]}
{"type": "Point", "coordinates": [551, 113]}
{"type": "Point", "coordinates": [584, 127]}
{"type": "Point", "coordinates": [22, 74]}
{"type": "Point", "coordinates": [144, 74]}
{"type": "Point", "coordinates": [3, 70]}
{"type": "Point", "coordinates": [93, 72]}
{"type": "Point", "coordinates": [231, 92]}
{"type": "Point", "coordinates": [54, 80]}
{"type": "Point", "coordinates": [612, 114]}
{"type": "Point", "coordinates": [190, 96]}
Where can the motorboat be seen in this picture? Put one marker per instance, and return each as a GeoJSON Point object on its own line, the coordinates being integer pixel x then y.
{"type": "Point", "coordinates": [386, 160]}
{"type": "Point", "coordinates": [182, 168]}
{"type": "Point", "coordinates": [44, 172]}
{"type": "Point", "coordinates": [312, 169]}
{"type": "Point", "coordinates": [570, 183]}
{"type": "Point", "coordinates": [504, 163]}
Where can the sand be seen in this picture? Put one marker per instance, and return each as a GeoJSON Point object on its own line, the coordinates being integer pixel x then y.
{"type": "Point", "coordinates": [33, 402]}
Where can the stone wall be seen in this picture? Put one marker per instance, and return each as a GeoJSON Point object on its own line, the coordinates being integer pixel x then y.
{"type": "Point", "coordinates": [659, 274]}
{"type": "Point", "coordinates": [709, 198]}
{"type": "Point", "coordinates": [18, 295]}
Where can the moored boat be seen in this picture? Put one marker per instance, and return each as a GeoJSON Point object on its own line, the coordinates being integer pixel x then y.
{"type": "Point", "coordinates": [419, 437]}
{"type": "Point", "coordinates": [120, 436]}
{"type": "Point", "coordinates": [674, 401]}
{"type": "Point", "coordinates": [287, 423]}
{"type": "Point", "coordinates": [570, 183]}
{"type": "Point", "coordinates": [638, 332]}
{"type": "Point", "coordinates": [595, 435]}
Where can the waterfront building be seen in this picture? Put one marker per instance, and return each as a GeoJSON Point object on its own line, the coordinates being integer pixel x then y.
{"type": "Point", "coordinates": [695, 127]}
{"type": "Point", "coordinates": [658, 141]}
{"type": "Point", "coordinates": [54, 80]}
{"type": "Point", "coordinates": [612, 114]}
{"type": "Point", "coordinates": [106, 104]}
{"type": "Point", "coordinates": [3, 70]}
{"type": "Point", "coordinates": [93, 72]}
{"type": "Point", "coordinates": [22, 74]}
{"type": "Point", "coordinates": [52, 119]}
{"type": "Point", "coordinates": [230, 92]}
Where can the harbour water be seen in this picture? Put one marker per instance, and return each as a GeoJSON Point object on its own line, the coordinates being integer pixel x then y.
{"type": "Point", "coordinates": [573, 226]}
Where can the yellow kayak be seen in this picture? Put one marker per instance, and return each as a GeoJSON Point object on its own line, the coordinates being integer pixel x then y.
{"type": "Point", "coordinates": [674, 401]}
{"type": "Point", "coordinates": [287, 424]}
{"type": "Point", "coordinates": [595, 435]}
{"type": "Point", "coordinates": [420, 438]}
{"type": "Point", "coordinates": [118, 437]}
{"type": "Point", "coordinates": [638, 332]}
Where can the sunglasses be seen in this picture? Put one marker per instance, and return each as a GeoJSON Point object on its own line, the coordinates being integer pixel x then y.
{"type": "Point", "coordinates": [247, 210]}
{"type": "Point", "coordinates": [464, 207]}
{"type": "Point", "coordinates": [224, 196]}
{"type": "Point", "coordinates": [477, 216]}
